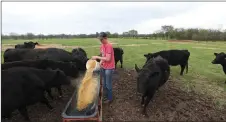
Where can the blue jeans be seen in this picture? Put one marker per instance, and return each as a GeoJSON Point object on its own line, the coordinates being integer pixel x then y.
{"type": "Point", "coordinates": [107, 82]}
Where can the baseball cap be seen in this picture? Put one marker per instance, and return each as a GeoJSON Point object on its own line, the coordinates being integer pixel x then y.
{"type": "Point", "coordinates": [102, 35]}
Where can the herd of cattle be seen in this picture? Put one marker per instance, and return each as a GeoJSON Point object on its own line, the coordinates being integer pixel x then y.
{"type": "Point", "coordinates": [28, 72]}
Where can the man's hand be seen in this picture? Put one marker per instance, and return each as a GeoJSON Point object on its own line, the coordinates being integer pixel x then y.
{"type": "Point", "coordinates": [95, 57]}
{"type": "Point", "coordinates": [101, 63]}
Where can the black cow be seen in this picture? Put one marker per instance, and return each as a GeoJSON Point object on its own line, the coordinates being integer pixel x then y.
{"type": "Point", "coordinates": [48, 53]}
{"type": "Point", "coordinates": [80, 55]}
{"type": "Point", "coordinates": [153, 75]}
{"type": "Point", "coordinates": [30, 45]}
{"type": "Point", "coordinates": [23, 86]}
{"type": "Point", "coordinates": [118, 54]}
{"type": "Point", "coordinates": [220, 59]}
{"type": "Point", "coordinates": [69, 68]}
{"type": "Point", "coordinates": [174, 58]}
{"type": "Point", "coordinates": [79, 51]}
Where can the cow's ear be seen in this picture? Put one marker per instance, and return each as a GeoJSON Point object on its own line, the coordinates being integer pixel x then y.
{"type": "Point", "coordinates": [146, 55]}
{"type": "Point", "coordinates": [136, 68]}
{"type": "Point", "coordinates": [215, 54]}
{"type": "Point", "coordinates": [224, 56]}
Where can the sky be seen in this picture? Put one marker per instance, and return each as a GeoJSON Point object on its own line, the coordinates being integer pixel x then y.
{"type": "Point", "coordinates": [92, 17]}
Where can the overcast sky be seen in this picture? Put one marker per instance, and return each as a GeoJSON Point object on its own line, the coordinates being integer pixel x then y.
{"type": "Point", "coordinates": [91, 17]}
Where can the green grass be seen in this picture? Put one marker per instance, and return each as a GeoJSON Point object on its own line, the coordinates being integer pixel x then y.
{"type": "Point", "coordinates": [202, 76]}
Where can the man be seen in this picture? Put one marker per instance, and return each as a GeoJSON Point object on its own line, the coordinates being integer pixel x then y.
{"type": "Point", "coordinates": [107, 65]}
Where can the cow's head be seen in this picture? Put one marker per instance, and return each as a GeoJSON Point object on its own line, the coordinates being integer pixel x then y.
{"type": "Point", "coordinates": [220, 58]}
{"type": "Point", "coordinates": [144, 78]}
{"type": "Point", "coordinates": [148, 56]}
{"type": "Point", "coordinates": [71, 69]}
{"type": "Point", "coordinates": [29, 44]}
{"type": "Point", "coordinates": [60, 78]}
{"type": "Point", "coordinates": [36, 43]}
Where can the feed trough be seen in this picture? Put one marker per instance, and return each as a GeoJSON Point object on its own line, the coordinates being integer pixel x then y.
{"type": "Point", "coordinates": [91, 112]}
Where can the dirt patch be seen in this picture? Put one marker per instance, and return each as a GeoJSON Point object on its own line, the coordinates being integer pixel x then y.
{"type": "Point", "coordinates": [113, 43]}
{"type": "Point", "coordinates": [180, 40]}
{"type": "Point", "coordinates": [210, 48]}
{"type": "Point", "coordinates": [134, 45]}
{"type": "Point", "coordinates": [6, 46]}
{"type": "Point", "coordinates": [156, 43]}
{"type": "Point", "coordinates": [170, 103]}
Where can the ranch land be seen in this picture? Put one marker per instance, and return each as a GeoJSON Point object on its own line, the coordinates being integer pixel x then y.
{"type": "Point", "coordinates": [199, 95]}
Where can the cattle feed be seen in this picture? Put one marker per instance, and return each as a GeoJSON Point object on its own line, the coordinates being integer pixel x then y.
{"type": "Point", "coordinates": [87, 91]}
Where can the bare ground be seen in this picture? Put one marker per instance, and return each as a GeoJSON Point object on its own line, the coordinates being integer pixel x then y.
{"type": "Point", "coordinates": [6, 46]}
{"type": "Point", "coordinates": [180, 40]}
{"type": "Point", "coordinates": [170, 103]}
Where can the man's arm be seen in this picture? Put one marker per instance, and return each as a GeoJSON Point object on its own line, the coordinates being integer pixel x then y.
{"type": "Point", "coordinates": [108, 54]}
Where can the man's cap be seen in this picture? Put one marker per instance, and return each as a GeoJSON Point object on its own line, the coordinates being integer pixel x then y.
{"type": "Point", "coordinates": [102, 35]}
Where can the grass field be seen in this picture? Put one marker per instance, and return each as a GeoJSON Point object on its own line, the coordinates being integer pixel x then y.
{"type": "Point", "coordinates": [202, 77]}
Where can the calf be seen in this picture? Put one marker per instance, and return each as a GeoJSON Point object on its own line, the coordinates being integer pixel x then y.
{"type": "Point", "coordinates": [49, 53]}
{"type": "Point", "coordinates": [174, 58]}
{"type": "Point", "coordinates": [153, 75]}
{"type": "Point", "coordinates": [118, 54]}
{"type": "Point", "coordinates": [23, 86]}
{"type": "Point", "coordinates": [220, 58]}
{"type": "Point", "coordinates": [69, 68]}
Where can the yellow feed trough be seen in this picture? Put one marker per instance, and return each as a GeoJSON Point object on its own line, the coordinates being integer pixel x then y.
{"type": "Point", "coordinates": [88, 88]}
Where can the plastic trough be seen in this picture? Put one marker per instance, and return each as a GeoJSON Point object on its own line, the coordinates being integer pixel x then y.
{"type": "Point", "coordinates": [70, 111]}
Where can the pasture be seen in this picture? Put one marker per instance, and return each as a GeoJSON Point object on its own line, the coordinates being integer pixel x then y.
{"type": "Point", "coordinates": [203, 78]}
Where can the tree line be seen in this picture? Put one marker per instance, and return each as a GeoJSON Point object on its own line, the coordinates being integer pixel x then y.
{"type": "Point", "coordinates": [166, 32]}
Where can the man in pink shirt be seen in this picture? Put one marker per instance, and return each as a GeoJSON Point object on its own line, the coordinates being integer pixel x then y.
{"type": "Point", "coordinates": [107, 64]}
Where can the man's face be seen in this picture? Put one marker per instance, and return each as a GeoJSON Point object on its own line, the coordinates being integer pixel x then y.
{"type": "Point", "coordinates": [102, 39]}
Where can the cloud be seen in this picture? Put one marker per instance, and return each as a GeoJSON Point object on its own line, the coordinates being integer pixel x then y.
{"type": "Point", "coordinates": [91, 17]}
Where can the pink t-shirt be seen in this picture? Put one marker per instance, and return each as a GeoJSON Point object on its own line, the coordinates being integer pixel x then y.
{"type": "Point", "coordinates": [107, 49]}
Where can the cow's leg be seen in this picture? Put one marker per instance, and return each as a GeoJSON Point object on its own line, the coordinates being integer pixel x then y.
{"type": "Point", "coordinates": [182, 69]}
{"type": "Point", "coordinates": [23, 112]}
{"type": "Point", "coordinates": [46, 102]}
{"type": "Point", "coordinates": [121, 61]}
{"type": "Point", "coordinates": [49, 93]}
{"type": "Point", "coordinates": [148, 99]}
{"type": "Point", "coordinates": [116, 64]}
{"type": "Point", "coordinates": [60, 91]}
{"type": "Point", "coordinates": [142, 101]}
{"type": "Point", "coordinates": [186, 67]}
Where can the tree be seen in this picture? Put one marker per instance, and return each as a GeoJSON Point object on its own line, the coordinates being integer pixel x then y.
{"type": "Point", "coordinates": [14, 36]}
{"type": "Point", "coordinates": [133, 33]}
{"type": "Point", "coordinates": [30, 36]}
